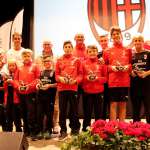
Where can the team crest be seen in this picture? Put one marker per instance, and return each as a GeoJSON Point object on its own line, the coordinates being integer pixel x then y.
{"type": "Point", "coordinates": [129, 16]}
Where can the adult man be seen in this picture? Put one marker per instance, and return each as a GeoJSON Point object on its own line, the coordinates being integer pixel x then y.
{"type": "Point", "coordinates": [16, 51]}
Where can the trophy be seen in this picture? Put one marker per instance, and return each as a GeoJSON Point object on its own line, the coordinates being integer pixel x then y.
{"type": "Point", "coordinates": [67, 78]}
{"type": "Point", "coordinates": [41, 86]}
{"type": "Point", "coordinates": [119, 67]}
{"type": "Point", "coordinates": [136, 69]}
{"type": "Point", "coordinates": [92, 75]}
{"type": "Point", "coordinates": [8, 78]}
{"type": "Point", "coordinates": [23, 87]}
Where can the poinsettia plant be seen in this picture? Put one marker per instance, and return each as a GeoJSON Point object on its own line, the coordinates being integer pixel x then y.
{"type": "Point", "coordinates": [112, 135]}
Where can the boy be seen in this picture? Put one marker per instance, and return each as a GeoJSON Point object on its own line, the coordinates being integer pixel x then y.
{"type": "Point", "coordinates": [68, 76]}
{"type": "Point", "coordinates": [140, 81]}
{"type": "Point", "coordinates": [46, 98]}
{"type": "Point", "coordinates": [118, 60]}
{"type": "Point", "coordinates": [27, 77]}
{"type": "Point", "coordinates": [94, 77]}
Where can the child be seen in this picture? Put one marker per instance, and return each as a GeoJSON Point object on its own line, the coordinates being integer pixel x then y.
{"type": "Point", "coordinates": [11, 100]}
{"type": "Point", "coordinates": [94, 77]}
{"type": "Point", "coordinates": [68, 76]}
{"type": "Point", "coordinates": [27, 77]}
{"type": "Point", "coordinates": [46, 98]}
{"type": "Point", "coordinates": [140, 81]}
{"type": "Point", "coordinates": [2, 115]}
{"type": "Point", "coordinates": [118, 59]}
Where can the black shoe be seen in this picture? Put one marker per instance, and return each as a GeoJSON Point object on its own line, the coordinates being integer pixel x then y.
{"type": "Point", "coordinates": [33, 137]}
{"type": "Point", "coordinates": [55, 130]}
{"type": "Point", "coordinates": [63, 136]}
{"type": "Point", "coordinates": [39, 136]}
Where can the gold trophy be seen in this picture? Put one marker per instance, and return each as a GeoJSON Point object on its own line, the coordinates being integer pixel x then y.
{"type": "Point", "coordinates": [92, 75]}
{"type": "Point", "coordinates": [119, 67]}
{"type": "Point", "coordinates": [23, 87]}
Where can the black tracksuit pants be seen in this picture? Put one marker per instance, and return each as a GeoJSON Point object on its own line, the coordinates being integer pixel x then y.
{"type": "Point", "coordinates": [91, 101]}
{"type": "Point", "coordinates": [139, 93]}
{"type": "Point", "coordinates": [28, 109]}
{"type": "Point", "coordinates": [13, 114]}
{"type": "Point", "coordinates": [45, 107]}
{"type": "Point", "coordinates": [65, 98]}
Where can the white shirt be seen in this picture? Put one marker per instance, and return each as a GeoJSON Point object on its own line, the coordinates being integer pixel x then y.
{"type": "Point", "coordinates": [15, 54]}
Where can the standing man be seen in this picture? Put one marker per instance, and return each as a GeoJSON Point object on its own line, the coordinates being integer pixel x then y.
{"type": "Point", "coordinates": [80, 52]}
{"type": "Point", "coordinates": [80, 48]}
{"type": "Point", "coordinates": [48, 52]}
{"type": "Point", "coordinates": [16, 51]}
{"type": "Point", "coordinates": [103, 41]}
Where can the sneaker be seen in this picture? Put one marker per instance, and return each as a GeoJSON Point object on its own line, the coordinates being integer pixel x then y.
{"type": "Point", "coordinates": [55, 130]}
{"type": "Point", "coordinates": [47, 135]}
{"type": "Point", "coordinates": [39, 136]}
{"type": "Point", "coordinates": [63, 136]}
{"type": "Point", "coordinates": [33, 137]}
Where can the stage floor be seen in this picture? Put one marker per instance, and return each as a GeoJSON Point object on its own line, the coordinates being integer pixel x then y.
{"type": "Point", "coordinates": [54, 143]}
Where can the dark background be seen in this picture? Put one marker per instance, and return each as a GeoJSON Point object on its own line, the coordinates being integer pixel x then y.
{"type": "Point", "coordinates": [10, 8]}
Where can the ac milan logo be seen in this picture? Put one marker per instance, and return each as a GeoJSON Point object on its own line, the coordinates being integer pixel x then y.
{"type": "Point", "coordinates": [106, 13]}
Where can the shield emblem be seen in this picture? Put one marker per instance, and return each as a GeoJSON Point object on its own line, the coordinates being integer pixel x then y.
{"type": "Point", "coordinates": [106, 13]}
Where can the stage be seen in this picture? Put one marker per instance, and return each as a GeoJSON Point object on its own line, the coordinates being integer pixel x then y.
{"type": "Point", "coordinates": [53, 143]}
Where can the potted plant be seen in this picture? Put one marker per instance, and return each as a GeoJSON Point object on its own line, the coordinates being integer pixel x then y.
{"type": "Point", "coordinates": [111, 135]}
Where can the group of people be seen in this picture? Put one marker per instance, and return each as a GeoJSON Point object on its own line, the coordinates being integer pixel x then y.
{"type": "Point", "coordinates": [30, 88]}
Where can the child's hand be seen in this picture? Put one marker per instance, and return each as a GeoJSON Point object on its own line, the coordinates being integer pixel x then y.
{"type": "Point", "coordinates": [62, 80]}
{"type": "Point", "coordinates": [72, 81]}
{"type": "Point", "coordinates": [9, 80]}
{"type": "Point", "coordinates": [142, 74]}
{"type": "Point", "coordinates": [46, 87]}
{"type": "Point", "coordinates": [101, 61]}
{"type": "Point", "coordinates": [133, 73]}
{"type": "Point", "coordinates": [38, 86]}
